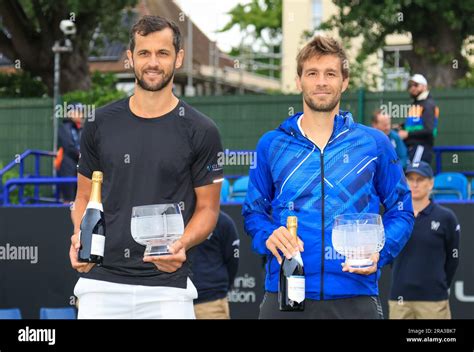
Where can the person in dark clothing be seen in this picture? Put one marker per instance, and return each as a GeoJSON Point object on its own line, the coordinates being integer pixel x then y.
{"type": "Point", "coordinates": [421, 126]}
{"type": "Point", "coordinates": [153, 148]}
{"type": "Point", "coordinates": [424, 271]}
{"type": "Point", "coordinates": [382, 122]}
{"type": "Point", "coordinates": [69, 141]}
{"type": "Point", "coordinates": [215, 264]}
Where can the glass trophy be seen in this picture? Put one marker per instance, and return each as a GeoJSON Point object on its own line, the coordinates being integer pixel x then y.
{"type": "Point", "coordinates": [357, 237]}
{"type": "Point", "coordinates": [157, 226]}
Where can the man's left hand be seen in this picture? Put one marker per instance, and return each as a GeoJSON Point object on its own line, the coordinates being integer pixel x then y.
{"type": "Point", "coordinates": [169, 263]}
{"type": "Point", "coordinates": [363, 271]}
{"type": "Point", "coordinates": [403, 134]}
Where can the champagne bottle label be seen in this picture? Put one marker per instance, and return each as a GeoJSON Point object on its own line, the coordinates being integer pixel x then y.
{"type": "Point", "coordinates": [98, 244]}
{"type": "Point", "coordinates": [296, 288]}
{"type": "Point", "coordinates": [95, 205]}
{"type": "Point", "coordinates": [298, 258]}
{"type": "Point", "coordinates": [291, 289]}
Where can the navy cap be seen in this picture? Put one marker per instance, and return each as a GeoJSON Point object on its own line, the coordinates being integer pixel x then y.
{"type": "Point", "coordinates": [421, 168]}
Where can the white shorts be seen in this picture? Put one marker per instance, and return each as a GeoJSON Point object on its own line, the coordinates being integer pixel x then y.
{"type": "Point", "coordinates": [108, 300]}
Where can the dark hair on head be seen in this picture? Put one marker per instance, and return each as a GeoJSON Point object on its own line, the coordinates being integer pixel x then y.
{"type": "Point", "coordinates": [150, 24]}
{"type": "Point", "coordinates": [320, 46]}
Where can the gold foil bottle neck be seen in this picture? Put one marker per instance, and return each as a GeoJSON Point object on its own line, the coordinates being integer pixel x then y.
{"type": "Point", "coordinates": [292, 225]}
{"type": "Point", "coordinates": [97, 176]}
{"type": "Point", "coordinates": [291, 221]}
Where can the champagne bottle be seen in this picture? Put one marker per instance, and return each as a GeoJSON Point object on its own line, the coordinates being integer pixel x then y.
{"type": "Point", "coordinates": [92, 234]}
{"type": "Point", "coordinates": [291, 288]}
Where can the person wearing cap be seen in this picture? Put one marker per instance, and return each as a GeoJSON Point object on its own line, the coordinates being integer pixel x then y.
{"type": "Point", "coordinates": [69, 141]}
{"type": "Point", "coordinates": [421, 126]}
{"type": "Point", "coordinates": [424, 270]}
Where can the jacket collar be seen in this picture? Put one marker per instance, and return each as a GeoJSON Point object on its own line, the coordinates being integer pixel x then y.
{"type": "Point", "coordinates": [428, 209]}
{"type": "Point", "coordinates": [342, 121]}
{"type": "Point", "coordinates": [423, 96]}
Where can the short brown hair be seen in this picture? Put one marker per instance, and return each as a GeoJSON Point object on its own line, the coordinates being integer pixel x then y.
{"type": "Point", "coordinates": [375, 115]}
{"type": "Point", "coordinates": [151, 24]}
{"type": "Point", "coordinates": [319, 46]}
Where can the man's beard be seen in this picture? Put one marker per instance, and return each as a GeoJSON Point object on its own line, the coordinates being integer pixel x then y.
{"type": "Point", "coordinates": [156, 86]}
{"type": "Point", "coordinates": [322, 107]}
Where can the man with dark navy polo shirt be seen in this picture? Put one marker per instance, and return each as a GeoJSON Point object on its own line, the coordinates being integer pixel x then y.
{"type": "Point", "coordinates": [424, 271]}
{"type": "Point", "coordinates": [215, 265]}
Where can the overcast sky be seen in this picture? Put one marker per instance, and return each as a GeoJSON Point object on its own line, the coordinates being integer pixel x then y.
{"type": "Point", "coordinates": [210, 15]}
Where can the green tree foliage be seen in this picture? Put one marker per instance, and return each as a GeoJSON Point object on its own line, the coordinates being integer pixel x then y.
{"type": "Point", "coordinates": [21, 84]}
{"type": "Point", "coordinates": [438, 29]}
{"type": "Point", "coordinates": [260, 23]}
{"type": "Point", "coordinates": [102, 91]}
{"type": "Point", "coordinates": [29, 28]}
{"type": "Point", "coordinates": [468, 81]}
{"type": "Point", "coordinates": [257, 16]}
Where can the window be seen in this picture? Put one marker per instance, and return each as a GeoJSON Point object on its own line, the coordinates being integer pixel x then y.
{"type": "Point", "coordinates": [317, 13]}
{"type": "Point", "coordinates": [396, 70]}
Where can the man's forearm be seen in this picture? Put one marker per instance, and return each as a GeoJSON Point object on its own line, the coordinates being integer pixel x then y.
{"type": "Point", "coordinates": [202, 223]}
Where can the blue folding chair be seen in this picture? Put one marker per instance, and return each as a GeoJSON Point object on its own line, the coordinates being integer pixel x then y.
{"type": "Point", "coordinates": [472, 189]}
{"type": "Point", "coordinates": [10, 313]}
{"type": "Point", "coordinates": [450, 185]}
{"type": "Point", "coordinates": [225, 190]}
{"type": "Point", "coordinates": [239, 189]}
{"type": "Point", "coordinates": [68, 313]}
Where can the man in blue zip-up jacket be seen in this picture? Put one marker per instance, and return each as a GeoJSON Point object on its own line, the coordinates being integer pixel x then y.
{"type": "Point", "coordinates": [319, 164]}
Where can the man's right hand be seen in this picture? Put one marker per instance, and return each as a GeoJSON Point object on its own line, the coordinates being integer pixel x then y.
{"type": "Point", "coordinates": [73, 251]}
{"type": "Point", "coordinates": [282, 240]}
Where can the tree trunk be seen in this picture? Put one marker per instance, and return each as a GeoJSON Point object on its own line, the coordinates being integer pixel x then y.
{"type": "Point", "coordinates": [437, 56]}
{"type": "Point", "coordinates": [74, 71]}
{"type": "Point", "coordinates": [33, 49]}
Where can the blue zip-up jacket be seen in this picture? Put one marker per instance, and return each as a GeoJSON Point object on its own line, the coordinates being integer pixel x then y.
{"type": "Point", "coordinates": [360, 170]}
{"type": "Point", "coordinates": [400, 148]}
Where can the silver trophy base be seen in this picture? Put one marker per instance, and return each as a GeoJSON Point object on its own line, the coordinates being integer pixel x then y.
{"type": "Point", "coordinates": [154, 250]}
{"type": "Point", "coordinates": [359, 263]}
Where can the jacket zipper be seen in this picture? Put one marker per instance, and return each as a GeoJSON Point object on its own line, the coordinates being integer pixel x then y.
{"type": "Point", "coordinates": [321, 155]}
{"type": "Point", "coordinates": [322, 223]}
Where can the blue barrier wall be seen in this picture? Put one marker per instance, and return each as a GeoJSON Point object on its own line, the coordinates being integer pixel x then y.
{"type": "Point", "coordinates": [44, 277]}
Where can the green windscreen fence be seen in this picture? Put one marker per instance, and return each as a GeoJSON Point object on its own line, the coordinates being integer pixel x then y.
{"type": "Point", "coordinates": [242, 120]}
{"type": "Point", "coordinates": [26, 124]}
